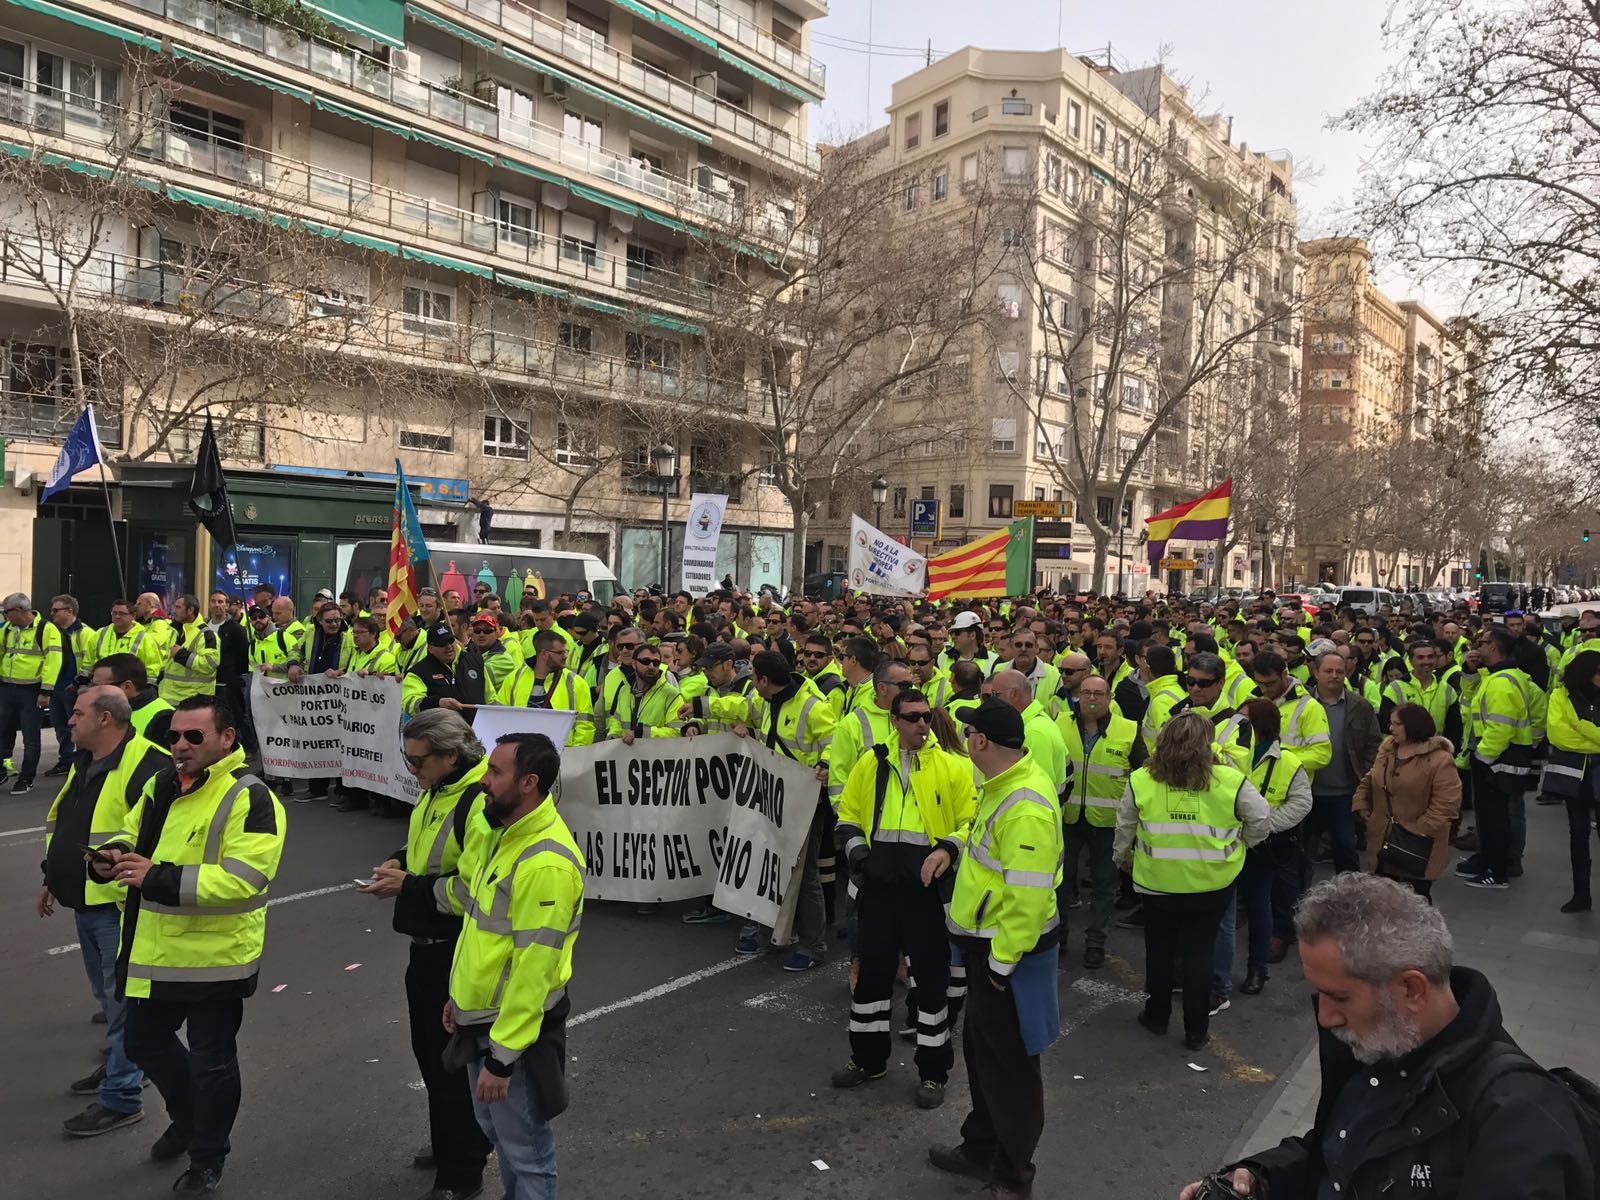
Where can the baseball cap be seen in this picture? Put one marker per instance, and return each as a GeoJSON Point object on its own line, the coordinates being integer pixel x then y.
{"type": "Point", "coordinates": [257, 610]}
{"type": "Point", "coordinates": [485, 618]}
{"type": "Point", "coordinates": [1320, 647]}
{"type": "Point", "coordinates": [441, 634]}
{"type": "Point", "coordinates": [324, 594]}
{"type": "Point", "coordinates": [997, 721]}
{"type": "Point", "coordinates": [716, 652]}
{"type": "Point", "coordinates": [967, 620]}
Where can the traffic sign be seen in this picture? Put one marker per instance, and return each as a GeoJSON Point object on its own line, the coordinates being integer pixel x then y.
{"type": "Point", "coordinates": [1177, 564]}
{"type": "Point", "coordinates": [1048, 509]}
{"type": "Point", "coordinates": [925, 518]}
{"type": "Point", "coordinates": [1211, 557]}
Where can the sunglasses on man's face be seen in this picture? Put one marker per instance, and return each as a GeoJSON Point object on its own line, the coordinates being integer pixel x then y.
{"type": "Point", "coordinates": [193, 736]}
{"type": "Point", "coordinates": [925, 717]}
{"type": "Point", "coordinates": [646, 662]}
{"type": "Point", "coordinates": [1196, 682]}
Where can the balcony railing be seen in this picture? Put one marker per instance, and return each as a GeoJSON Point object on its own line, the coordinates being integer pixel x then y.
{"type": "Point", "coordinates": [731, 24]}
{"type": "Point", "coordinates": [280, 181]}
{"type": "Point", "coordinates": [373, 77]}
{"type": "Point", "coordinates": [360, 326]}
{"type": "Point", "coordinates": [46, 417]}
{"type": "Point", "coordinates": [594, 55]}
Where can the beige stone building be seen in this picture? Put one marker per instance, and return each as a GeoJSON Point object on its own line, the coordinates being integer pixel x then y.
{"type": "Point", "coordinates": [1069, 136]}
{"type": "Point", "coordinates": [509, 189]}
{"type": "Point", "coordinates": [1376, 372]}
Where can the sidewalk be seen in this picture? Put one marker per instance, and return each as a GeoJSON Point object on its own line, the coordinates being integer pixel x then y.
{"type": "Point", "coordinates": [1545, 967]}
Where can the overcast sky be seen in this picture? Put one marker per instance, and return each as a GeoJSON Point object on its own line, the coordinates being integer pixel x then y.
{"type": "Point", "coordinates": [1279, 69]}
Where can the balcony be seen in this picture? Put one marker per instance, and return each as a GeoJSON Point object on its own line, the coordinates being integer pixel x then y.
{"type": "Point", "coordinates": [595, 56]}
{"type": "Point", "coordinates": [374, 78]}
{"type": "Point", "coordinates": [356, 328]}
{"type": "Point", "coordinates": [732, 25]}
{"type": "Point", "coordinates": [95, 131]}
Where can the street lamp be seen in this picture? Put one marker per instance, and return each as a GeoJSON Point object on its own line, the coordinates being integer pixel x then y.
{"type": "Point", "coordinates": [880, 493]}
{"type": "Point", "coordinates": [664, 462]}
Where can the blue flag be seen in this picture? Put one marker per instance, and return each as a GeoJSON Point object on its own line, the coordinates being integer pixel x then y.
{"type": "Point", "coordinates": [82, 451]}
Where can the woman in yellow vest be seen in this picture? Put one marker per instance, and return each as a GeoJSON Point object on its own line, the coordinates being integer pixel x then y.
{"type": "Point", "coordinates": [1183, 824]}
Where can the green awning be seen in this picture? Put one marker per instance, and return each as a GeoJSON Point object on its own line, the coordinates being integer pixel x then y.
{"type": "Point", "coordinates": [755, 72]}
{"type": "Point", "coordinates": [441, 260]}
{"type": "Point", "coordinates": [245, 73]}
{"type": "Point", "coordinates": [1102, 176]}
{"type": "Point", "coordinates": [450, 27]}
{"type": "Point", "coordinates": [693, 35]}
{"type": "Point", "coordinates": [603, 200]}
{"type": "Point", "coordinates": [638, 9]}
{"type": "Point", "coordinates": [674, 324]}
{"type": "Point", "coordinates": [448, 144]}
{"type": "Point", "coordinates": [216, 203]}
{"type": "Point", "coordinates": [670, 223]}
{"type": "Point", "coordinates": [366, 118]}
{"type": "Point", "coordinates": [547, 176]}
{"type": "Point", "coordinates": [350, 237]}
{"type": "Point", "coordinates": [601, 306]}
{"type": "Point", "coordinates": [381, 20]}
{"type": "Point", "coordinates": [529, 285]}
{"type": "Point", "coordinates": [601, 94]}
{"type": "Point", "coordinates": [85, 21]}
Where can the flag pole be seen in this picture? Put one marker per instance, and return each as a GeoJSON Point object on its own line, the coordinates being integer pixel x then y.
{"type": "Point", "coordinates": [111, 524]}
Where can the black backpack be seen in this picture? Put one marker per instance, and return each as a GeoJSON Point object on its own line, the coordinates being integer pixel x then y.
{"type": "Point", "coordinates": [1505, 1058]}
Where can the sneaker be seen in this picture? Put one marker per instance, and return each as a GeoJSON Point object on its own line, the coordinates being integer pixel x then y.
{"type": "Point", "coordinates": [97, 1119]}
{"type": "Point", "coordinates": [706, 914]}
{"type": "Point", "coordinates": [1219, 1004]}
{"type": "Point", "coordinates": [1489, 882]}
{"type": "Point", "coordinates": [22, 787]}
{"type": "Point", "coordinates": [1469, 867]}
{"type": "Point", "coordinates": [198, 1180]}
{"type": "Point", "coordinates": [747, 945]}
{"type": "Point", "coordinates": [799, 961]}
{"type": "Point", "coordinates": [853, 1074]}
{"type": "Point", "coordinates": [930, 1094]}
{"type": "Point", "coordinates": [908, 1029]}
{"type": "Point", "coordinates": [89, 1085]}
{"type": "Point", "coordinates": [61, 768]}
{"type": "Point", "coordinates": [290, 796]}
{"type": "Point", "coordinates": [174, 1143]}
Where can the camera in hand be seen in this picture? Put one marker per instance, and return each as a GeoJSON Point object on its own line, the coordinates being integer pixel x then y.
{"type": "Point", "coordinates": [1216, 1187]}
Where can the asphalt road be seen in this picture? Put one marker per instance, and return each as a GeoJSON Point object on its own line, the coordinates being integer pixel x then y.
{"type": "Point", "coordinates": [694, 1073]}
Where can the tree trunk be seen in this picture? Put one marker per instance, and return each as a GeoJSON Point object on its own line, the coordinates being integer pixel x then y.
{"type": "Point", "coordinates": [797, 553]}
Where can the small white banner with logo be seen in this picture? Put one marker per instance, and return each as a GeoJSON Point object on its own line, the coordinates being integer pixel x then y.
{"type": "Point", "coordinates": [700, 536]}
{"type": "Point", "coordinates": [881, 566]}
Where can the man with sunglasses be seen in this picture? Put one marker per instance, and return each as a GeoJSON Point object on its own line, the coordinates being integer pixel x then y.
{"type": "Point", "coordinates": [105, 777]}
{"type": "Point", "coordinates": [1075, 668]}
{"type": "Point", "coordinates": [488, 660]}
{"type": "Point", "coordinates": [865, 725]}
{"type": "Point", "coordinates": [1204, 687]}
{"type": "Point", "coordinates": [815, 660]}
{"type": "Point", "coordinates": [648, 706]}
{"type": "Point", "coordinates": [616, 673]}
{"type": "Point", "coordinates": [905, 798]}
{"type": "Point", "coordinates": [547, 682]}
{"type": "Point", "coordinates": [196, 856]}
{"type": "Point", "coordinates": [431, 682]}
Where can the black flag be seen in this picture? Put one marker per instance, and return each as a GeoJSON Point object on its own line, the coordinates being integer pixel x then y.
{"type": "Point", "coordinates": [208, 491]}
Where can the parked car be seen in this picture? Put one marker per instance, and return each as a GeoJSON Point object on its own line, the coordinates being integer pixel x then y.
{"type": "Point", "coordinates": [1368, 601]}
{"type": "Point", "coordinates": [1494, 598]}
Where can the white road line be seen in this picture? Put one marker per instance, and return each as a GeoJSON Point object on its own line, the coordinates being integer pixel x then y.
{"type": "Point", "coordinates": [664, 989]}
{"type": "Point", "coordinates": [327, 891]}
{"type": "Point", "coordinates": [5, 833]}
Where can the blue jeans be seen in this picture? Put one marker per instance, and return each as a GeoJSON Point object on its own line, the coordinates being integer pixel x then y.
{"type": "Point", "coordinates": [61, 701]}
{"type": "Point", "coordinates": [20, 713]}
{"type": "Point", "coordinates": [200, 1081]}
{"type": "Point", "coordinates": [1331, 815]}
{"type": "Point", "coordinates": [99, 932]}
{"type": "Point", "coordinates": [1256, 883]}
{"type": "Point", "coordinates": [523, 1140]}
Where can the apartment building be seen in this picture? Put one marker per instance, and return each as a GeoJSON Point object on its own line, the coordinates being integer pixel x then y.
{"type": "Point", "coordinates": [510, 189]}
{"type": "Point", "coordinates": [1124, 185]}
{"type": "Point", "coordinates": [1376, 372]}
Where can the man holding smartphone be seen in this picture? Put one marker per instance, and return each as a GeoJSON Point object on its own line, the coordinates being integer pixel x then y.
{"type": "Point", "coordinates": [196, 856]}
{"type": "Point", "coordinates": [105, 776]}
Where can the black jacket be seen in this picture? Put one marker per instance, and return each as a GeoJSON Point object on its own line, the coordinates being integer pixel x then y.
{"type": "Point", "coordinates": [1469, 1129]}
{"type": "Point", "coordinates": [63, 866]}
{"type": "Point", "coordinates": [234, 659]}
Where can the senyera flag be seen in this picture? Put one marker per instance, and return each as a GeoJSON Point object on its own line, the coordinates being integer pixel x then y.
{"type": "Point", "coordinates": [998, 564]}
{"type": "Point", "coordinates": [407, 550]}
{"type": "Point", "coordinates": [1204, 519]}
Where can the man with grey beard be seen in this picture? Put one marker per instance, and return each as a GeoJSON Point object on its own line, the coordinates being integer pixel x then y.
{"type": "Point", "coordinates": [1423, 1091]}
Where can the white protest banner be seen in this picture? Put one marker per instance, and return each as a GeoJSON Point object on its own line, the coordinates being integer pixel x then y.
{"type": "Point", "coordinates": [492, 721]}
{"type": "Point", "coordinates": [681, 818]}
{"type": "Point", "coordinates": [701, 533]}
{"type": "Point", "coordinates": [345, 728]}
{"type": "Point", "coordinates": [881, 566]}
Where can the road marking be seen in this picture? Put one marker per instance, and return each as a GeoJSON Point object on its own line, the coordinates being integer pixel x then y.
{"type": "Point", "coordinates": [327, 891]}
{"type": "Point", "coordinates": [807, 1007]}
{"type": "Point", "coordinates": [5, 833]}
{"type": "Point", "coordinates": [664, 989]}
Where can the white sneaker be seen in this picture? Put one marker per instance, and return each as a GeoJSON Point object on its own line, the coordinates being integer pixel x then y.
{"type": "Point", "coordinates": [1220, 1004]}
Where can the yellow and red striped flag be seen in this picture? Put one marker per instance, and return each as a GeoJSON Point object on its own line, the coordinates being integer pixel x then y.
{"type": "Point", "coordinates": [407, 550]}
{"type": "Point", "coordinates": [997, 564]}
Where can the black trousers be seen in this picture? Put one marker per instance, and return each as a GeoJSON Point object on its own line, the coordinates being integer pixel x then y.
{"type": "Point", "coordinates": [1491, 792]}
{"type": "Point", "coordinates": [888, 919]}
{"type": "Point", "coordinates": [1181, 930]}
{"type": "Point", "coordinates": [459, 1147]}
{"type": "Point", "coordinates": [1580, 828]}
{"type": "Point", "coordinates": [1007, 1086]}
{"type": "Point", "coordinates": [199, 1083]}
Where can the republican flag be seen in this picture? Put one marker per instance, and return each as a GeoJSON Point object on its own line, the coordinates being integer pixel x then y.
{"type": "Point", "coordinates": [1204, 519]}
{"type": "Point", "coordinates": [997, 564]}
{"type": "Point", "coordinates": [406, 551]}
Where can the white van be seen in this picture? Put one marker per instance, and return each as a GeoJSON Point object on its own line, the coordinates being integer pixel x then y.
{"type": "Point", "coordinates": [1368, 601]}
{"type": "Point", "coordinates": [508, 570]}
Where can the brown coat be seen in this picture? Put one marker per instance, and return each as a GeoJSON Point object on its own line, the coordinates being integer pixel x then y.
{"type": "Point", "coordinates": [1419, 788]}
